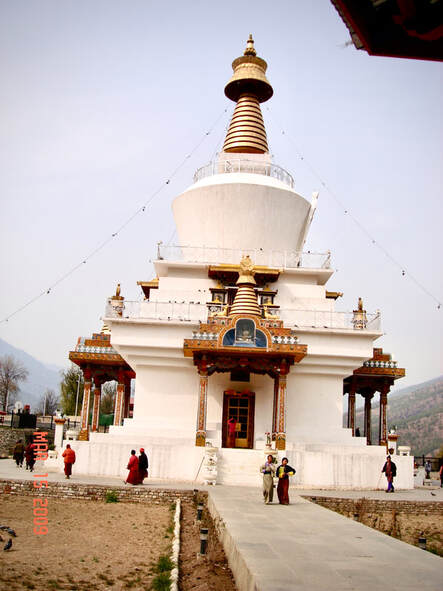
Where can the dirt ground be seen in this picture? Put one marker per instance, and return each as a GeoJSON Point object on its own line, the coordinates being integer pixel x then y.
{"type": "Point", "coordinates": [408, 528]}
{"type": "Point", "coordinates": [90, 545]}
{"type": "Point", "coordinates": [209, 573]}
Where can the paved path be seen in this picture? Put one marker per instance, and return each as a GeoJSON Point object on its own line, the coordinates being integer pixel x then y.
{"type": "Point", "coordinates": [302, 546]}
{"type": "Point", "coordinates": [306, 547]}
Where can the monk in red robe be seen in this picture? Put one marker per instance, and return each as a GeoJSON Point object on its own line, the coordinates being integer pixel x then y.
{"type": "Point", "coordinates": [232, 425]}
{"type": "Point", "coordinates": [69, 458]}
{"type": "Point", "coordinates": [133, 477]}
{"type": "Point", "coordinates": [30, 456]}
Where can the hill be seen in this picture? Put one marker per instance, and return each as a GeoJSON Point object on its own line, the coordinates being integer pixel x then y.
{"type": "Point", "coordinates": [417, 413]}
{"type": "Point", "coordinates": [40, 376]}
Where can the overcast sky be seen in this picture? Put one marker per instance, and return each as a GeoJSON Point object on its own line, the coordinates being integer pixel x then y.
{"type": "Point", "coordinates": [100, 101]}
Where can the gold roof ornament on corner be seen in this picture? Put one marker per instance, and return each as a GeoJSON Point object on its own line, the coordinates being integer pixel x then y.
{"type": "Point", "coordinates": [118, 295]}
{"type": "Point", "coordinates": [248, 87]}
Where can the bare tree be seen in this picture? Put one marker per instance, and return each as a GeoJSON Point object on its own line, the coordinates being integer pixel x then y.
{"type": "Point", "coordinates": [48, 403]}
{"type": "Point", "coordinates": [108, 397]}
{"type": "Point", "coordinates": [12, 372]}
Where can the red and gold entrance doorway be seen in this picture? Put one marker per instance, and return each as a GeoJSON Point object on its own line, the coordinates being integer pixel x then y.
{"type": "Point", "coordinates": [238, 419]}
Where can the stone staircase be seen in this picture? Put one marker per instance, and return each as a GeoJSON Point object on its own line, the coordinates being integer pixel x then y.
{"type": "Point", "coordinates": [240, 467]}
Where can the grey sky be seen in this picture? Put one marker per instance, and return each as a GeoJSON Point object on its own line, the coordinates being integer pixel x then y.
{"type": "Point", "coordinates": [100, 101]}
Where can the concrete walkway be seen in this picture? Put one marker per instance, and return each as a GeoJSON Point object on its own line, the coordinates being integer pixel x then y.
{"type": "Point", "coordinates": [301, 546]}
{"type": "Point", "coordinates": [306, 547]}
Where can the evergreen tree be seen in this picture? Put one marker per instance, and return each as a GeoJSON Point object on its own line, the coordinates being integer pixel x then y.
{"type": "Point", "coordinates": [72, 379]}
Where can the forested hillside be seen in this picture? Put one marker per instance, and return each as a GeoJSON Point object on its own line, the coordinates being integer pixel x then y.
{"type": "Point", "coordinates": [417, 413]}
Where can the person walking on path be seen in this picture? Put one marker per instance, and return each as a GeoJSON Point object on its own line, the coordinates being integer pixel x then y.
{"type": "Point", "coordinates": [284, 471]}
{"type": "Point", "coordinates": [441, 476]}
{"type": "Point", "coordinates": [30, 456]}
{"type": "Point", "coordinates": [69, 459]}
{"type": "Point", "coordinates": [132, 466]}
{"type": "Point", "coordinates": [428, 469]}
{"type": "Point", "coordinates": [390, 470]}
{"type": "Point", "coordinates": [268, 471]}
{"type": "Point", "coordinates": [19, 452]}
{"type": "Point", "coordinates": [143, 465]}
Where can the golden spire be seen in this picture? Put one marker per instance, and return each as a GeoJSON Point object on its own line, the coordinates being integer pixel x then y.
{"type": "Point", "coordinates": [248, 87]}
{"type": "Point", "coordinates": [245, 301]}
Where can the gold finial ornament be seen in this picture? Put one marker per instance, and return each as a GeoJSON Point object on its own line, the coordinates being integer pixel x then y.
{"type": "Point", "coordinates": [248, 87]}
{"type": "Point", "coordinates": [245, 301]}
{"type": "Point", "coordinates": [249, 76]}
{"type": "Point", "coordinates": [246, 274]}
{"type": "Point", "coordinates": [250, 49]}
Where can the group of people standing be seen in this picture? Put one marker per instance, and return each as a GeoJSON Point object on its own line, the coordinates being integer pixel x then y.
{"type": "Point", "coordinates": [22, 453]}
{"type": "Point", "coordinates": [138, 467]}
{"type": "Point", "coordinates": [282, 472]}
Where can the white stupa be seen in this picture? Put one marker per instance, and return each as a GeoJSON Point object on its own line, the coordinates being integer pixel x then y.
{"type": "Point", "coordinates": [239, 327]}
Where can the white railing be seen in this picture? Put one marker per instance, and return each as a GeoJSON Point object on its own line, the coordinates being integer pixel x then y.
{"type": "Point", "coordinates": [280, 259]}
{"type": "Point", "coordinates": [198, 312]}
{"type": "Point", "coordinates": [247, 166]}
{"type": "Point", "coordinates": [163, 311]}
{"type": "Point", "coordinates": [325, 319]}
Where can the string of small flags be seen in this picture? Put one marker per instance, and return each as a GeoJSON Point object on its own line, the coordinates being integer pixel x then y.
{"type": "Point", "coordinates": [347, 212]}
{"type": "Point", "coordinates": [141, 209]}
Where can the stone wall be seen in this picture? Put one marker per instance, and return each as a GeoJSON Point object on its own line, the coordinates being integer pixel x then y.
{"type": "Point", "coordinates": [9, 437]}
{"type": "Point", "coordinates": [95, 492]}
{"type": "Point", "coordinates": [357, 506]}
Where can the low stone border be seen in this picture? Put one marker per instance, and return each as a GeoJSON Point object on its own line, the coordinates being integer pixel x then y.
{"type": "Point", "coordinates": [376, 505]}
{"type": "Point", "coordinates": [176, 547]}
{"type": "Point", "coordinates": [95, 492]}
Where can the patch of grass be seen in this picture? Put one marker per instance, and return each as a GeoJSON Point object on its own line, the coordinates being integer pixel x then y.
{"type": "Point", "coordinates": [162, 582]}
{"type": "Point", "coordinates": [53, 584]}
{"type": "Point", "coordinates": [164, 564]}
{"type": "Point", "coordinates": [95, 559]}
{"type": "Point", "coordinates": [111, 496]}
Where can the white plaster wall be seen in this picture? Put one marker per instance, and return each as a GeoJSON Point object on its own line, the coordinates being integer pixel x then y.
{"type": "Point", "coordinates": [314, 411]}
{"type": "Point", "coordinates": [320, 466]}
{"type": "Point", "coordinates": [108, 455]}
{"type": "Point", "coordinates": [165, 401]}
{"type": "Point", "coordinates": [241, 211]}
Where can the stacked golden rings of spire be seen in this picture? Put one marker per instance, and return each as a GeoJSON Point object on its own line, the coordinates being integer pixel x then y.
{"type": "Point", "coordinates": [249, 87]}
{"type": "Point", "coordinates": [246, 131]}
{"type": "Point", "coordinates": [245, 301]}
